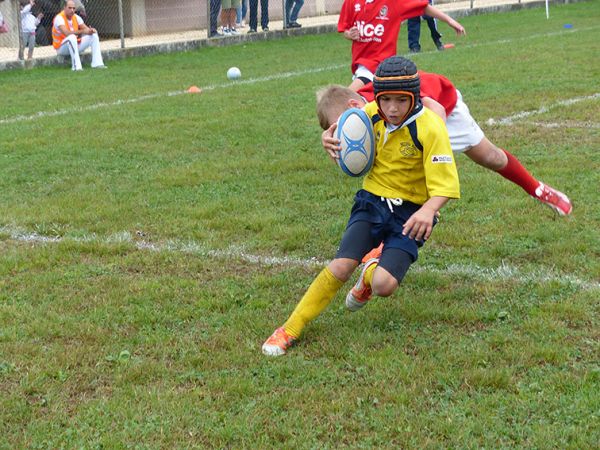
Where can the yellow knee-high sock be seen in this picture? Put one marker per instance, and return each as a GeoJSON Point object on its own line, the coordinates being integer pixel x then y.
{"type": "Point", "coordinates": [368, 278]}
{"type": "Point", "coordinates": [315, 300]}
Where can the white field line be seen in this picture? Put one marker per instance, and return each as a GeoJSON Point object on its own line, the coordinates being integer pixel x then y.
{"type": "Point", "coordinates": [564, 124]}
{"type": "Point", "coordinates": [523, 114]}
{"type": "Point", "coordinates": [504, 272]}
{"type": "Point", "coordinates": [61, 112]}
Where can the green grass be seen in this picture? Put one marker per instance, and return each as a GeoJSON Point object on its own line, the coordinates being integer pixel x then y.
{"type": "Point", "coordinates": [491, 342]}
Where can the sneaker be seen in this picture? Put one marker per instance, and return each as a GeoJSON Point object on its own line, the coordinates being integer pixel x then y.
{"type": "Point", "coordinates": [294, 25]}
{"type": "Point", "coordinates": [278, 343]}
{"type": "Point", "coordinates": [360, 294]}
{"type": "Point", "coordinates": [375, 253]}
{"type": "Point", "coordinates": [265, 28]}
{"type": "Point", "coordinates": [556, 200]}
{"type": "Point", "coordinates": [226, 31]}
{"type": "Point", "coordinates": [215, 34]}
{"type": "Point", "coordinates": [439, 46]}
{"type": "Point", "coordinates": [100, 67]}
{"type": "Point", "coordinates": [252, 30]}
{"type": "Point", "coordinates": [233, 31]}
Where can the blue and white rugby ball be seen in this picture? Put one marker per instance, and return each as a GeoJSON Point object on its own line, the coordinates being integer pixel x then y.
{"type": "Point", "coordinates": [355, 132]}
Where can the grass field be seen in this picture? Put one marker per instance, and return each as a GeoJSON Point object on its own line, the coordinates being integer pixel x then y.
{"type": "Point", "coordinates": [150, 240]}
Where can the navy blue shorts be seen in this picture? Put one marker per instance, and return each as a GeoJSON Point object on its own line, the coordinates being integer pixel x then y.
{"type": "Point", "coordinates": [371, 222]}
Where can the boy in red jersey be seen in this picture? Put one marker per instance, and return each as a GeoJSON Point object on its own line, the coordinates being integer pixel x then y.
{"type": "Point", "coordinates": [441, 96]}
{"type": "Point", "coordinates": [373, 27]}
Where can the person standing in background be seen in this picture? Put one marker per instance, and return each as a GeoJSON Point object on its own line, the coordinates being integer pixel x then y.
{"type": "Point", "coordinates": [414, 32]}
{"type": "Point", "coordinates": [292, 9]}
{"type": "Point", "coordinates": [215, 8]}
{"type": "Point", "coordinates": [264, 15]}
{"type": "Point", "coordinates": [29, 24]}
{"type": "Point", "coordinates": [228, 16]}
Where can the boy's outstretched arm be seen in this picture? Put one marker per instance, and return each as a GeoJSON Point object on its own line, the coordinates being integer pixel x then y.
{"type": "Point", "coordinates": [432, 11]}
{"type": "Point", "coordinates": [419, 225]}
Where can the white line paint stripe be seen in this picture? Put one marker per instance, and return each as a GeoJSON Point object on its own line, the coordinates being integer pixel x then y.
{"type": "Point", "coordinates": [523, 114]}
{"type": "Point", "coordinates": [564, 124]}
{"type": "Point", "coordinates": [61, 112]}
{"type": "Point", "coordinates": [503, 272]}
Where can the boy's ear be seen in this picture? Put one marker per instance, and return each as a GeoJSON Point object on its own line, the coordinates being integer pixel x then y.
{"type": "Point", "coordinates": [353, 103]}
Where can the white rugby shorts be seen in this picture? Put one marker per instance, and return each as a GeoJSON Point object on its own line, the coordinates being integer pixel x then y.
{"type": "Point", "coordinates": [463, 130]}
{"type": "Point", "coordinates": [362, 71]}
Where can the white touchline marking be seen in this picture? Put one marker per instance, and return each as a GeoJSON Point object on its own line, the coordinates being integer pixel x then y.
{"type": "Point", "coordinates": [523, 114]}
{"type": "Point", "coordinates": [503, 272]}
{"type": "Point", "coordinates": [61, 112]}
{"type": "Point", "coordinates": [564, 124]}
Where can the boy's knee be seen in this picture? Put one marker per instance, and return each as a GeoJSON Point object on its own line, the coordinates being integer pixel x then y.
{"type": "Point", "coordinates": [342, 268]}
{"type": "Point", "coordinates": [384, 291]}
{"type": "Point", "coordinates": [383, 285]}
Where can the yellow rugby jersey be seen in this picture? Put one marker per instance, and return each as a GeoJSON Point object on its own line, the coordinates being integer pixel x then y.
{"type": "Point", "coordinates": [401, 170]}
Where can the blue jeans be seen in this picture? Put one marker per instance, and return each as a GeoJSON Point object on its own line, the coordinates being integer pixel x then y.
{"type": "Point", "coordinates": [264, 14]}
{"type": "Point", "coordinates": [241, 11]}
{"type": "Point", "coordinates": [215, 8]}
{"type": "Point", "coordinates": [414, 31]}
{"type": "Point", "coordinates": [292, 9]}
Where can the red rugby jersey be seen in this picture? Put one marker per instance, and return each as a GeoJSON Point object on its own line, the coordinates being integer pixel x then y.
{"type": "Point", "coordinates": [378, 23]}
{"type": "Point", "coordinates": [440, 89]}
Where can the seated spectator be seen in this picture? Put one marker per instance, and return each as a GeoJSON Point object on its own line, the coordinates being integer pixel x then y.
{"type": "Point", "coordinates": [29, 24]}
{"type": "Point", "coordinates": [71, 36]}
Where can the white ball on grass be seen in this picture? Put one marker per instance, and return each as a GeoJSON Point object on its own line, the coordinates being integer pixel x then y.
{"type": "Point", "coordinates": [234, 73]}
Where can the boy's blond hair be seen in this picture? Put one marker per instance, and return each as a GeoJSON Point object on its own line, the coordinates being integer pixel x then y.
{"type": "Point", "coordinates": [332, 101]}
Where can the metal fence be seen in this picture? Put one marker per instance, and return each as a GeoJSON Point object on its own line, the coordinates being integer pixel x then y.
{"type": "Point", "coordinates": [131, 23]}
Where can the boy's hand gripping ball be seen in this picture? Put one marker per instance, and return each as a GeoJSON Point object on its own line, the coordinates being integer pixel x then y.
{"type": "Point", "coordinates": [355, 132]}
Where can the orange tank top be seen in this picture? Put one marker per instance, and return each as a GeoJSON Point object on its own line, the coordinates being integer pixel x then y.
{"type": "Point", "coordinates": [57, 36]}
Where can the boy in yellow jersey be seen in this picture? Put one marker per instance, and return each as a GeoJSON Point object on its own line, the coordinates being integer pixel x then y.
{"type": "Point", "coordinates": [412, 177]}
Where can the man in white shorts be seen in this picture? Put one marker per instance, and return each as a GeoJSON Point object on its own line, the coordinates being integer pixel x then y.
{"type": "Point", "coordinates": [71, 36]}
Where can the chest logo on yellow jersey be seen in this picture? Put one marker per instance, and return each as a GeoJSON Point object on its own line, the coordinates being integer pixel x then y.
{"type": "Point", "coordinates": [408, 150]}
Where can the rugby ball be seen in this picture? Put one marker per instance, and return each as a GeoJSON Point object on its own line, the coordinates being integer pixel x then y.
{"type": "Point", "coordinates": [355, 132]}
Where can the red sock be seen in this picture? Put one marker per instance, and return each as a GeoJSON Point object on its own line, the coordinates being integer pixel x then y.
{"type": "Point", "coordinates": [515, 172]}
